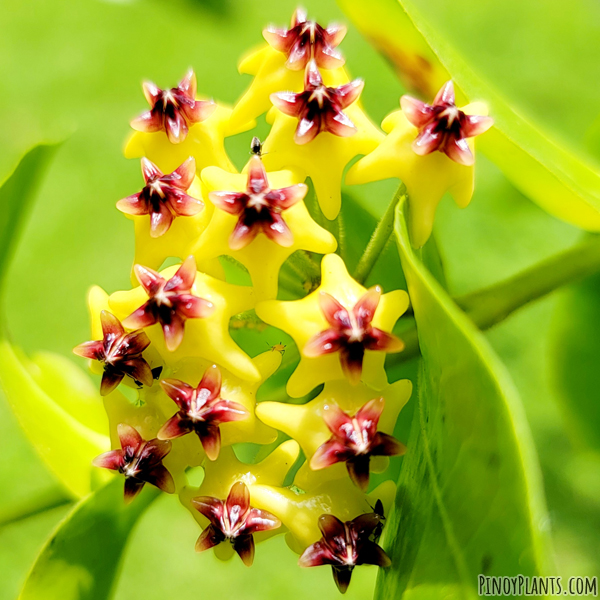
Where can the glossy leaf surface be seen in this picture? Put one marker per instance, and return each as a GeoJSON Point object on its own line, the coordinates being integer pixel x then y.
{"type": "Point", "coordinates": [64, 442]}
{"type": "Point", "coordinates": [80, 561]}
{"type": "Point", "coordinates": [470, 495]}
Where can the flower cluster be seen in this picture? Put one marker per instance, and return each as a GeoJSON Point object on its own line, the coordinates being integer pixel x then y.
{"type": "Point", "coordinates": [172, 338]}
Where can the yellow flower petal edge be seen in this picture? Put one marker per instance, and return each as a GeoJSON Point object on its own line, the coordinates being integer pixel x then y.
{"type": "Point", "coordinates": [299, 509]}
{"type": "Point", "coordinates": [262, 257]}
{"type": "Point", "coordinates": [302, 319]}
{"type": "Point", "coordinates": [178, 241]}
{"type": "Point", "coordinates": [235, 389]}
{"type": "Point", "coordinates": [305, 423]}
{"type": "Point", "coordinates": [205, 142]}
{"type": "Point", "coordinates": [427, 178]}
{"type": "Point", "coordinates": [324, 158]}
{"type": "Point", "coordinates": [206, 338]}
{"type": "Point", "coordinates": [220, 475]}
{"type": "Point", "coordinates": [154, 408]}
{"type": "Point", "coordinates": [267, 65]}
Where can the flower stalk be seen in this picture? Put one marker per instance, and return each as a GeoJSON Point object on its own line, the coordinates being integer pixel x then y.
{"type": "Point", "coordinates": [380, 238]}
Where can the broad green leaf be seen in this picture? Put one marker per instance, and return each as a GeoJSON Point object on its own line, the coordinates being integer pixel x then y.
{"type": "Point", "coordinates": [80, 561]}
{"type": "Point", "coordinates": [470, 495]}
{"type": "Point", "coordinates": [562, 183]}
{"type": "Point", "coordinates": [70, 387]}
{"type": "Point", "coordinates": [574, 356]}
{"type": "Point", "coordinates": [65, 444]}
{"type": "Point", "coordinates": [16, 193]}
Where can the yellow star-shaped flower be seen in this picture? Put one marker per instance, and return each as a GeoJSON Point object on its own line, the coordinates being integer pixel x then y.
{"type": "Point", "coordinates": [324, 158]}
{"type": "Point", "coordinates": [204, 141]}
{"type": "Point", "coordinates": [155, 408]}
{"type": "Point", "coordinates": [268, 66]}
{"type": "Point", "coordinates": [235, 389]}
{"type": "Point", "coordinates": [206, 337]}
{"type": "Point", "coordinates": [220, 475]}
{"type": "Point", "coordinates": [305, 319]}
{"type": "Point", "coordinates": [262, 256]}
{"type": "Point", "coordinates": [305, 423]}
{"type": "Point", "coordinates": [299, 509]}
{"type": "Point", "coordinates": [427, 178]}
{"type": "Point", "coordinates": [178, 241]}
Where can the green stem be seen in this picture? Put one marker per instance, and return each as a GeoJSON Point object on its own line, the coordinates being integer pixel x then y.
{"type": "Point", "coordinates": [491, 305]}
{"type": "Point", "coordinates": [379, 239]}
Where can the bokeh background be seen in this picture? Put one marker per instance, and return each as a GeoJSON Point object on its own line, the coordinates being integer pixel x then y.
{"type": "Point", "coordinates": [71, 69]}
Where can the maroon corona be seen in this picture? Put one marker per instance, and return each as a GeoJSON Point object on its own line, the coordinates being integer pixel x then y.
{"type": "Point", "coordinates": [443, 126]}
{"type": "Point", "coordinates": [119, 352]}
{"type": "Point", "coordinates": [306, 40]}
{"type": "Point", "coordinates": [201, 410]}
{"type": "Point", "coordinates": [233, 520]}
{"type": "Point", "coordinates": [170, 303]}
{"type": "Point", "coordinates": [345, 546]}
{"type": "Point", "coordinates": [139, 460]}
{"type": "Point", "coordinates": [173, 111]}
{"type": "Point", "coordinates": [259, 208]}
{"type": "Point", "coordinates": [319, 108]}
{"type": "Point", "coordinates": [163, 197]}
{"type": "Point", "coordinates": [350, 333]}
{"type": "Point", "coordinates": [354, 440]}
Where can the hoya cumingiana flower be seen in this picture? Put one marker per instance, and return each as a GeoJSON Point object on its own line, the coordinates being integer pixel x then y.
{"type": "Point", "coordinates": [341, 329]}
{"type": "Point", "coordinates": [203, 337]}
{"type": "Point", "coordinates": [309, 425]}
{"type": "Point", "coordinates": [430, 148]}
{"type": "Point", "coordinates": [260, 220]}
{"type": "Point", "coordinates": [279, 65]}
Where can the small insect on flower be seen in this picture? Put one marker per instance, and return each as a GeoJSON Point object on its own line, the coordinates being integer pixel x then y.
{"type": "Point", "coordinates": [378, 509]}
{"type": "Point", "coordinates": [156, 371]}
{"type": "Point", "coordinates": [277, 347]}
{"type": "Point", "coordinates": [202, 410]}
{"type": "Point", "coordinates": [233, 520]}
{"type": "Point", "coordinates": [139, 460]}
{"type": "Point", "coordinates": [345, 545]}
{"type": "Point", "coordinates": [119, 352]}
{"type": "Point", "coordinates": [354, 440]}
{"type": "Point", "coordinates": [256, 147]}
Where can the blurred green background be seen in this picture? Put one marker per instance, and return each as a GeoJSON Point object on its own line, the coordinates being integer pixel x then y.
{"type": "Point", "coordinates": [72, 69]}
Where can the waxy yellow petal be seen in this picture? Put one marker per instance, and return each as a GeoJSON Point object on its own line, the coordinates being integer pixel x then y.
{"type": "Point", "coordinates": [205, 142]}
{"type": "Point", "coordinates": [262, 257]}
{"type": "Point", "coordinates": [206, 338]}
{"type": "Point", "coordinates": [427, 178]}
{"type": "Point", "coordinates": [302, 319]}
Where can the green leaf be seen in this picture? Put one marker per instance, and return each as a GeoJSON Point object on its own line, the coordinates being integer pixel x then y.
{"type": "Point", "coordinates": [574, 355]}
{"type": "Point", "coordinates": [562, 183]}
{"type": "Point", "coordinates": [16, 193]}
{"type": "Point", "coordinates": [65, 442]}
{"type": "Point", "coordinates": [80, 561]}
{"type": "Point", "coordinates": [470, 495]}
